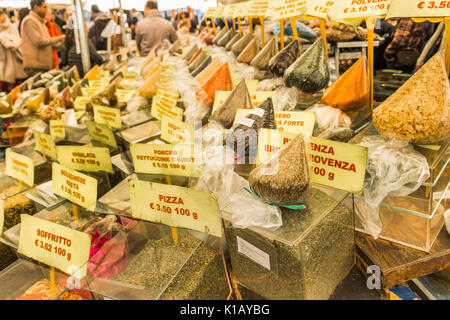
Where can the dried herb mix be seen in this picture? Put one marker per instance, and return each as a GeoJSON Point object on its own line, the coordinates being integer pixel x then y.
{"type": "Point", "coordinates": [279, 64]}
{"type": "Point", "coordinates": [235, 39]}
{"type": "Point", "coordinates": [241, 44]}
{"type": "Point", "coordinates": [15, 206]}
{"type": "Point", "coordinates": [262, 60]}
{"type": "Point", "coordinates": [226, 38]}
{"type": "Point", "coordinates": [201, 67]}
{"type": "Point", "coordinates": [250, 52]}
{"type": "Point", "coordinates": [219, 35]}
{"type": "Point", "coordinates": [190, 53]}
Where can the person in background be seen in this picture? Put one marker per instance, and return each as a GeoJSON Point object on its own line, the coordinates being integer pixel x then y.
{"type": "Point", "coordinates": [153, 29]}
{"type": "Point", "coordinates": [70, 57]}
{"type": "Point", "coordinates": [181, 16]}
{"type": "Point", "coordinates": [11, 69]}
{"type": "Point", "coordinates": [36, 44]}
{"type": "Point", "coordinates": [23, 12]}
{"type": "Point", "coordinates": [53, 31]}
{"type": "Point", "coordinates": [132, 22]}
{"type": "Point", "coordinates": [194, 23]}
{"type": "Point", "coordinates": [100, 20]}
{"type": "Point", "coordinates": [183, 32]}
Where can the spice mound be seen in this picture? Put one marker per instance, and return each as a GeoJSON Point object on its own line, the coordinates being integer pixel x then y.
{"type": "Point", "coordinates": [284, 59]}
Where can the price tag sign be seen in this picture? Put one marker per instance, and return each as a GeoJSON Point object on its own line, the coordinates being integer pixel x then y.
{"type": "Point", "coordinates": [295, 122]}
{"type": "Point", "coordinates": [228, 11]}
{"type": "Point", "coordinates": [90, 92]}
{"type": "Point", "coordinates": [19, 167]}
{"type": "Point", "coordinates": [211, 12]}
{"type": "Point", "coordinates": [419, 9]}
{"type": "Point", "coordinates": [259, 97]}
{"type": "Point", "coordinates": [54, 245]}
{"type": "Point", "coordinates": [176, 131]}
{"type": "Point", "coordinates": [163, 109]}
{"type": "Point", "coordinates": [57, 129]}
{"type": "Point", "coordinates": [101, 133]}
{"type": "Point", "coordinates": [270, 141]}
{"type": "Point", "coordinates": [285, 9]}
{"type": "Point", "coordinates": [219, 12]}
{"type": "Point", "coordinates": [257, 8]}
{"type": "Point", "coordinates": [90, 159]}
{"type": "Point", "coordinates": [319, 8]}
{"type": "Point", "coordinates": [123, 96]}
{"type": "Point", "coordinates": [80, 103]}
{"type": "Point", "coordinates": [167, 159]}
{"type": "Point", "coordinates": [351, 9]}
{"type": "Point", "coordinates": [219, 98]}
{"type": "Point", "coordinates": [175, 206]}
{"type": "Point", "coordinates": [108, 116]}
{"type": "Point", "coordinates": [45, 144]}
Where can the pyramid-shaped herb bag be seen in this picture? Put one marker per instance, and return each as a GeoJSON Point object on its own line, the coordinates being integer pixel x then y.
{"type": "Point", "coordinates": [198, 62]}
{"type": "Point", "coordinates": [244, 134]}
{"type": "Point", "coordinates": [241, 44]}
{"type": "Point", "coordinates": [219, 81]}
{"type": "Point", "coordinates": [310, 72]}
{"type": "Point", "coordinates": [284, 178]}
{"type": "Point", "coordinates": [419, 111]}
{"type": "Point", "coordinates": [279, 64]}
{"type": "Point", "coordinates": [250, 51]}
{"type": "Point", "coordinates": [208, 71]}
{"type": "Point", "coordinates": [202, 67]}
{"type": "Point", "coordinates": [219, 35]}
{"type": "Point", "coordinates": [149, 87]}
{"type": "Point", "coordinates": [351, 90]}
{"type": "Point", "coordinates": [190, 53]}
{"type": "Point", "coordinates": [239, 98]}
{"type": "Point", "coordinates": [176, 47]}
{"type": "Point", "coordinates": [226, 38]}
{"type": "Point", "coordinates": [261, 61]}
{"type": "Point", "coordinates": [235, 39]}
{"type": "Point", "coordinates": [195, 56]}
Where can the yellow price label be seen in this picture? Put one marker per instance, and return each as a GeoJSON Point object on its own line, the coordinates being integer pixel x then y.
{"type": "Point", "coordinates": [108, 116]}
{"type": "Point", "coordinates": [353, 9]}
{"type": "Point", "coordinates": [176, 131]}
{"type": "Point", "coordinates": [257, 8]}
{"type": "Point", "coordinates": [259, 97]}
{"type": "Point", "coordinates": [57, 129]}
{"type": "Point", "coordinates": [80, 103]}
{"type": "Point", "coordinates": [296, 122]}
{"type": "Point", "coordinates": [90, 92]}
{"type": "Point", "coordinates": [418, 9]}
{"type": "Point", "coordinates": [123, 96]}
{"type": "Point", "coordinates": [45, 144]}
{"type": "Point", "coordinates": [81, 158]}
{"type": "Point", "coordinates": [19, 167]}
{"type": "Point", "coordinates": [162, 109]}
{"type": "Point", "coordinates": [101, 133]}
{"type": "Point", "coordinates": [285, 9]}
{"type": "Point", "coordinates": [319, 8]}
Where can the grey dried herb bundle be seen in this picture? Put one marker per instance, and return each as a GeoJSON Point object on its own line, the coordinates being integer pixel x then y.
{"type": "Point", "coordinates": [225, 39]}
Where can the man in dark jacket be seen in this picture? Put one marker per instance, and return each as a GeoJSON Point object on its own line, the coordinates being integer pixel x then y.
{"type": "Point", "coordinates": [100, 21]}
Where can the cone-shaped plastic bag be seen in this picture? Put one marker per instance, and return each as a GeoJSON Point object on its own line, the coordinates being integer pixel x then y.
{"type": "Point", "coordinates": [93, 74]}
{"type": "Point", "coordinates": [149, 69]}
{"type": "Point", "coordinates": [235, 39]}
{"type": "Point", "coordinates": [225, 39]}
{"type": "Point", "coordinates": [176, 47]}
{"type": "Point", "coordinates": [206, 74]}
{"type": "Point", "coordinates": [148, 88]}
{"type": "Point", "coordinates": [310, 72]}
{"type": "Point", "coordinates": [419, 111]}
{"type": "Point", "coordinates": [195, 56]}
{"type": "Point", "coordinates": [220, 80]}
{"type": "Point", "coordinates": [351, 90]}
{"type": "Point", "coordinates": [198, 61]}
{"type": "Point", "coordinates": [107, 97]}
{"type": "Point", "coordinates": [239, 98]}
{"type": "Point", "coordinates": [284, 59]}
{"type": "Point", "coordinates": [202, 67]}
{"type": "Point", "coordinates": [190, 53]}
{"type": "Point", "coordinates": [244, 134]}
{"type": "Point", "coordinates": [241, 44]}
{"type": "Point", "coordinates": [261, 61]}
{"type": "Point", "coordinates": [284, 178]}
{"type": "Point", "coordinates": [219, 35]}
{"type": "Point", "coordinates": [250, 52]}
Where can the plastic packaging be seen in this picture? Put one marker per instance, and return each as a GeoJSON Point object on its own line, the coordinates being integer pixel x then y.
{"type": "Point", "coordinates": [279, 64]}
{"type": "Point", "coordinates": [201, 67]}
{"type": "Point", "coordinates": [198, 61]}
{"type": "Point", "coordinates": [241, 44]}
{"type": "Point", "coordinates": [284, 178]}
{"type": "Point", "coordinates": [270, 84]}
{"type": "Point", "coordinates": [250, 52]}
{"type": "Point", "coordinates": [262, 60]}
{"type": "Point", "coordinates": [219, 35]}
{"type": "Point", "coordinates": [220, 80]}
{"type": "Point", "coordinates": [310, 72]}
{"type": "Point", "coordinates": [137, 103]}
{"type": "Point", "coordinates": [225, 39]}
{"type": "Point", "coordinates": [285, 99]}
{"type": "Point", "coordinates": [331, 122]}
{"type": "Point", "coordinates": [149, 87]}
{"type": "Point", "coordinates": [195, 56]}
{"type": "Point", "coordinates": [419, 111]}
{"type": "Point", "coordinates": [208, 71]}
{"type": "Point", "coordinates": [231, 43]}
{"type": "Point", "coordinates": [190, 53]}
{"type": "Point", "coordinates": [176, 47]}
{"type": "Point", "coordinates": [150, 69]}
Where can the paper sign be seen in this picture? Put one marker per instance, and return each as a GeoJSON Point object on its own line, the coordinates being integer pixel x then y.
{"type": "Point", "coordinates": [252, 84]}
{"type": "Point", "coordinates": [101, 133]}
{"type": "Point", "coordinates": [350, 9]}
{"type": "Point", "coordinates": [270, 141]}
{"type": "Point", "coordinates": [219, 99]}
{"type": "Point", "coordinates": [228, 11]}
{"type": "Point", "coordinates": [45, 144]}
{"type": "Point", "coordinates": [211, 12]}
{"type": "Point", "coordinates": [167, 159]}
{"type": "Point", "coordinates": [164, 104]}
{"type": "Point", "coordinates": [57, 129]}
{"type": "Point", "coordinates": [98, 84]}
{"type": "Point", "coordinates": [90, 92]}
{"type": "Point", "coordinates": [90, 159]}
{"type": "Point", "coordinates": [418, 8]}
{"type": "Point", "coordinates": [175, 206]}
{"type": "Point", "coordinates": [295, 122]}
{"type": "Point", "coordinates": [123, 96]}
{"type": "Point", "coordinates": [54, 245]}
{"type": "Point", "coordinates": [239, 10]}
{"type": "Point", "coordinates": [257, 8]}
{"type": "Point", "coordinates": [129, 75]}
{"type": "Point", "coordinates": [176, 131]}
{"type": "Point", "coordinates": [19, 167]}
{"type": "Point", "coordinates": [80, 103]}
{"type": "Point", "coordinates": [259, 97]}
{"type": "Point", "coordinates": [108, 116]}
{"type": "Point", "coordinates": [319, 8]}
{"type": "Point", "coordinates": [284, 9]}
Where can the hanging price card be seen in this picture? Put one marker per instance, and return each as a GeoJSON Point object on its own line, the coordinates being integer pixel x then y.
{"type": "Point", "coordinates": [211, 12]}
{"type": "Point", "coordinates": [418, 8]}
{"type": "Point", "coordinates": [108, 116]}
{"type": "Point", "coordinates": [259, 97]}
{"type": "Point", "coordinates": [257, 8]}
{"type": "Point", "coordinates": [54, 245]}
{"type": "Point", "coordinates": [164, 104]}
{"type": "Point", "coordinates": [175, 206]}
{"type": "Point", "coordinates": [57, 129]}
{"type": "Point", "coordinates": [90, 159]}
{"type": "Point", "coordinates": [45, 144]}
{"type": "Point", "coordinates": [319, 8]}
{"type": "Point", "coordinates": [90, 92]}
{"type": "Point", "coordinates": [80, 103]}
{"type": "Point", "coordinates": [176, 131]}
{"type": "Point", "coordinates": [219, 12]}
{"type": "Point", "coordinates": [284, 9]}
{"type": "Point", "coordinates": [229, 10]}
{"type": "Point", "coordinates": [350, 9]}
{"type": "Point", "coordinates": [123, 96]}
{"type": "Point", "coordinates": [101, 133]}
{"type": "Point", "coordinates": [295, 122]}
{"type": "Point", "coordinates": [167, 159]}
{"type": "Point", "coordinates": [19, 167]}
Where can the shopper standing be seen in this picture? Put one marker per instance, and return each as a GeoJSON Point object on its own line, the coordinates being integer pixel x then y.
{"type": "Point", "coordinates": [100, 21]}
{"type": "Point", "coordinates": [153, 29]}
{"type": "Point", "coordinates": [23, 12]}
{"type": "Point", "coordinates": [36, 44]}
{"type": "Point", "coordinates": [53, 31]}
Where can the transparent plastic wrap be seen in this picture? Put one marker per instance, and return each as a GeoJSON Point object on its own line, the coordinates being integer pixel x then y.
{"type": "Point", "coordinates": [310, 72]}
{"type": "Point", "coordinates": [137, 103]}
{"type": "Point", "coordinates": [270, 84]}
{"type": "Point", "coordinates": [285, 99]}
{"type": "Point", "coordinates": [226, 38]}
{"type": "Point", "coordinates": [331, 122]}
{"type": "Point", "coordinates": [213, 134]}
{"type": "Point", "coordinates": [419, 111]}
{"type": "Point", "coordinates": [241, 44]}
{"type": "Point", "coordinates": [149, 87]}
{"type": "Point", "coordinates": [284, 178]}
{"type": "Point", "coordinates": [393, 168]}
{"type": "Point", "coordinates": [262, 60]}
{"type": "Point", "coordinates": [281, 62]}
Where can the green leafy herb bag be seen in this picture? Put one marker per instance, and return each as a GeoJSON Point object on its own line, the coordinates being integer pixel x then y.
{"type": "Point", "coordinates": [284, 59]}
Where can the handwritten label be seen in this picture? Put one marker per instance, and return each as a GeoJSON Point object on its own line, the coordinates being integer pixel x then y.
{"type": "Point", "coordinates": [90, 92]}
{"type": "Point", "coordinates": [257, 8]}
{"type": "Point", "coordinates": [350, 9]}
{"type": "Point", "coordinates": [19, 167]}
{"type": "Point", "coordinates": [54, 245]}
{"type": "Point", "coordinates": [101, 133]}
{"type": "Point", "coordinates": [57, 129]}
{"type": "Point", "coordinates": [123, 96]}
{"type": "Point", "coordinates": [108, 116]}
{"type": "Point", "coordinates": [176, 131]}
{"type": "Point", "coordinates": [167, 159]}
{"type": "Point", "coordinates": [80, 103]}
{"type": "Point", "coordinates": [284, 9]}
{"type": "Point", "coordinates": [90, 159]}
{"type": "Point", "coordinates": [418, 8]}
{"type": "Point", "coordinates": [45, 144]}
{"type": "Point", "coordinates": [319, 8]}
{"type": "Point", "coordinates": [164, 104]}
{"type": "Point", "coordinates": [295, 122]}
{"type": "Point", "coordinates": [175, 206]}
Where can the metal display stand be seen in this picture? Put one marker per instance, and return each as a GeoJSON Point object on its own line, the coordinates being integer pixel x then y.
{"type": "Point", "coordinates": [81, 35]}
{"type": "Point", "coordinates": [362, 45]}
